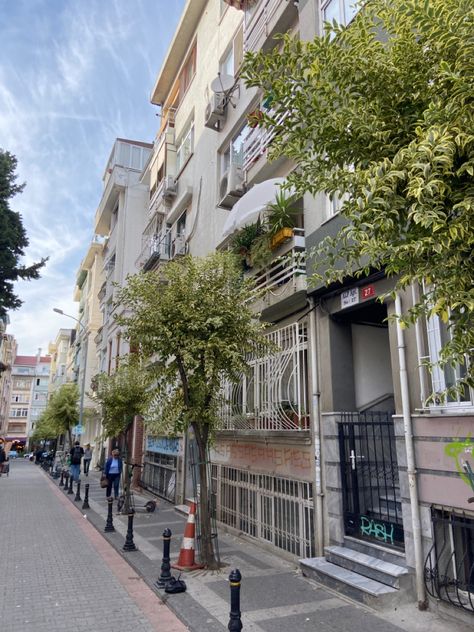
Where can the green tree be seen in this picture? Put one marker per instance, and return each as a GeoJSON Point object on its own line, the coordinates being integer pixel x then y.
{"type": "Point", "coordinates": [13, 239]}
{"type": "Point", "coordinates": [122, 396]}
{"type": "Point", "coordinates": [380, 114]}
{"type": "Point", "coordinates": [44, 429]}
{"type": "Point", "coordinates": [194, 321]}
{"type": "Point", "coordinates": [62, 411]}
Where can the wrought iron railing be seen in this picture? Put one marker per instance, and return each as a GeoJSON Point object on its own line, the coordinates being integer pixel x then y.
{"type": "Point", "coordinates": [273, 395]}
{"type": "Point", "coordinates": [449, 565]}
{"type": "Point", "coordinates": [257, 24]}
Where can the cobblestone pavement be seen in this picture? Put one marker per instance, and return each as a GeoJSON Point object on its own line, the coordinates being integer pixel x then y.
{"type": "Point", "coordinates": [58, 574]}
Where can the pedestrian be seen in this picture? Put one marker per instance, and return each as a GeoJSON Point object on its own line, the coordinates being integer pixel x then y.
{"type": "Point", "coordinates": [3, 458]}
{"type": "Point", "coordinates": [87, 458]}
{"type": "Point", "coordinates": [76, 453]}
{"type": "Point", "coordinates": [113, 469]}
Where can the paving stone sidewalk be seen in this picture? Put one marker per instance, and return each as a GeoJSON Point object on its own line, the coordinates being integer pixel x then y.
{"type": "Point", "coordinates": [274, 596]}
{"type": "Point", "coordinates": [57, 572]}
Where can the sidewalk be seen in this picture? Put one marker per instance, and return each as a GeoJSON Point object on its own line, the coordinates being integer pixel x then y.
{"type": "Point", "coordinates": [275, 597]}
{"type": "Point", "coordinates": [62, 574]}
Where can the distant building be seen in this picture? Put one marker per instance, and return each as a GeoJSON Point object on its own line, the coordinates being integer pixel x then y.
{"type": "Point", "coordinates": [7, 355]}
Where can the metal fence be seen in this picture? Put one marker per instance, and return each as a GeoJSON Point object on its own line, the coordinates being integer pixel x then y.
{"type": "Point", "coordinates": [159, 475]}
{"type": "Point", "coordinates": [449, 565]}
{"type": "Point", "coordinates": [271, 508]}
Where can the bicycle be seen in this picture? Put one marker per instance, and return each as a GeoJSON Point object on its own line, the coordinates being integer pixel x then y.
{"type": "Point", "coordinates": [149, 506]}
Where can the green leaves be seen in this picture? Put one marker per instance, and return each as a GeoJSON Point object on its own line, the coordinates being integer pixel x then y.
{"type": "Point", "coordinates": [381, 113]}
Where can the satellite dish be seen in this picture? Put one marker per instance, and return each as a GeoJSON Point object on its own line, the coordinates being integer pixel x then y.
{"type": "Point", "coordinates": [223, 84]}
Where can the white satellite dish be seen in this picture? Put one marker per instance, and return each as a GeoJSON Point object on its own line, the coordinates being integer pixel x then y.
{"type": "Point", "coordinates": [223, 84]}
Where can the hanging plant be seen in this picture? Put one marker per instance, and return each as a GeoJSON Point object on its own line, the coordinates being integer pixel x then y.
{"type": "Point", "coordinates": [255, 118]}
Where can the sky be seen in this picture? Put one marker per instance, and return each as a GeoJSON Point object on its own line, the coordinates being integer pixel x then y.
{"type": "Point", "coordinates": [74, 76]}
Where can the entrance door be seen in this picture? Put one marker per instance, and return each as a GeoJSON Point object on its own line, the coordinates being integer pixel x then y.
{"type": "Point", "coordinates": [369, 472]}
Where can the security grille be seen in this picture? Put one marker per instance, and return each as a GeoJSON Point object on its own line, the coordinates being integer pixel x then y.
{"type": "Point", "coordinates": [159, 475]}
{"type": "Point", "coordinates": [273, 395]}
{"type": "Point", "coordinates": [449, 566]}
{"type": "Point", "coordinates": [271, 508]}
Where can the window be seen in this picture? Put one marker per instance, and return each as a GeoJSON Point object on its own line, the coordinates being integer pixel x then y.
{"type": "Point", "coordinates": [234, 154]}
{"type": "Point", "coordinates": [181, 225]}
{"type": "Point", "coordinates": [448, 376]}
{"type": "Point", "coordinates": [343, 11]}
{"type": "Point", "coordinates": [232, 60]}
{"type": "Point", "coordinates": [185, 146]}
{"type": "Point", "coordinates": [19, 412]}
{"type": "Point", "coordinates": [187, 73]}
{"type": "Point", "coordinates": [117, 351]}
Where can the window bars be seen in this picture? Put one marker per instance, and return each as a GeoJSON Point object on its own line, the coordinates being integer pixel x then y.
{"type": "Point", "coordinates": [449, 565]}
{"type": "Point", "coordinates": [273, 395]}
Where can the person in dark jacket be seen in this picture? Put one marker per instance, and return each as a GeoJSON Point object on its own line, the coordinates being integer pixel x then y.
{"type": "Point", "coordinates": [76, 453]}
{"type": "Point", "coordinates": [3, 458]}
{"type": "Point", "coordinates": [113, 470]}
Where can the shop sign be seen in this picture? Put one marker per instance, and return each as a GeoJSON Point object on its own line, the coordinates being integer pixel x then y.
{"type": "Point", "coordinates": [163, 445]}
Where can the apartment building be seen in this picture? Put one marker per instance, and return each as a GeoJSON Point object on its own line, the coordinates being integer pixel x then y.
{"type": "Point", "coordinates": [30, 378]}
{"type": "Point", "coordinates": [58, 351]}
{"type": "Point", "coordinates": [8, 348]}
{"type": "Point", "coordinates": [89, 281]}
{"type": "Point", "coordinates": [120, 218]}
{"type": "Point", "coordinates": [329, 442]}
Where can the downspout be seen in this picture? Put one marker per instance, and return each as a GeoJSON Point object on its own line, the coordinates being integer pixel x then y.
{"type": "Point", "coordinates": [411, 471]}
{"type": "Point", "coordinates": [316, 418]}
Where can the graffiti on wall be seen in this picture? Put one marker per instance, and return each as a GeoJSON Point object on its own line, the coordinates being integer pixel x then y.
{"type": "Point", "coordinates": [282, 460]}
{"type": "Point", "coordinates": [460, 451]}
{"type": "Point", "coordinates": [379, 530]}
{"type": "Point", "coordinates": [163, 445]}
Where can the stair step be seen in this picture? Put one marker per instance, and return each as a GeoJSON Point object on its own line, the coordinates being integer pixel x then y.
{"type": "Point", "coordinates": [353, 585]}
{"type": "Point", "coordinates": [376, 550]}
{"type": "Point", "coordinates": [369, 566]}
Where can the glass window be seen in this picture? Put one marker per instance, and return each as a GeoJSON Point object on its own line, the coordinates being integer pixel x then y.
{"type": "Point", "coordinates": [227, 64]}
{"type": "Point", "coordinates": [185, 147]}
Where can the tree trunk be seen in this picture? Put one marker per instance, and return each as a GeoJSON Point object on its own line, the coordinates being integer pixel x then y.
{"type": "Point", "coordinates": [207, 548]}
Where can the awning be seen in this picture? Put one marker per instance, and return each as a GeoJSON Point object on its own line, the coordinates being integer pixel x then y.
{"type": "Point", "coordinates": [251, 205]}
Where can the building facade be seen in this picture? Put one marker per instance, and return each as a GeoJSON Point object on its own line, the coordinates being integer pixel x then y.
{"type": "Point", "coordinates": [7, 356]}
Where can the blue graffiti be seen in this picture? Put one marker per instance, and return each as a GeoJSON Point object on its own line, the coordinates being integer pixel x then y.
{"type": "Point", "coordinates": [375, 529]}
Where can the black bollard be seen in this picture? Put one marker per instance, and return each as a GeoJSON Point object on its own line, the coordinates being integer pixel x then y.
{"type": "Point", "coordinates": [66, 482]}
{"type": "Point", "coordinates": [71, 481]}
{"type": "Point", "coordinates": [77, 497]}
{"type": "Point", "coordinates": [129, 543]}
{"type": "Point", "coordinates": [109, 525]}
{"type": "Point", "coordinates": [85, 504]}
{"type": "Point", "coordinates": [61, 480]}
{"type": "Point", "coordinates": [235, 622]}
{"type": "Point", "coordinates": [165, 574]}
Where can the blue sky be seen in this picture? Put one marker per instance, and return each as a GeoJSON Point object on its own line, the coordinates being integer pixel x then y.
{"type": "Point", "coordinates": [74, 75]}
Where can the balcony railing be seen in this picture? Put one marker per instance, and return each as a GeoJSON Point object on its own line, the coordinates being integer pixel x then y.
{"type": "Point", "coordinates": [273, 395]}
{"type": "Point", "coordinates": [287, 268]}
{"type": "Point", "coordinates": [257, 24]}
{"type": "Point", "coordinates": [257, 142]}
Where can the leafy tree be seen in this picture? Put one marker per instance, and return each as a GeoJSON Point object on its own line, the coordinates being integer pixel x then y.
{"type": "Point", "coordinates": [123, 395]}
{"type": "Point", "coordinates": [380, 115]}
{"type": "Point", "coordinates": [62, 411]}
{"type": "Point", "coordinates": [13, 239]}
{"type": "Point", "coordinates": [192, 318]}
{"type": "Point", "coordinates": [44, 429]}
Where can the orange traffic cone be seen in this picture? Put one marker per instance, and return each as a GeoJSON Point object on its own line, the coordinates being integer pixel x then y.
{"type": "Point", "coordinates": [186, 554]}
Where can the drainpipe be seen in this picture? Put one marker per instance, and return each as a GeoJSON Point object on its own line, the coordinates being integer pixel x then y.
{"type": "Point", "coordinates": [316, 417]}
{"type": "Point", "coordinates": [411, 471]}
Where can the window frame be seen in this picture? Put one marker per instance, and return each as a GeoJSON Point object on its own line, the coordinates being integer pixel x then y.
{"type": "Point", "coordinates": [188, 131]}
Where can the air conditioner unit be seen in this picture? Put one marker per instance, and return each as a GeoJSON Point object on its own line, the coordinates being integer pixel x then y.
{"type": "Point", "coordinates": [180, 246]}
{"type": "Point", "coordinates": [231, 187]}
{"type": "Point", "coordinates": [169, 187]}
{"type": "Point", "coordinates": [215, 112]}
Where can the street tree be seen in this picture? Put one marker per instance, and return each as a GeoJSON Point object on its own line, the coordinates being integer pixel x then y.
{"type": "Point", "coordinates": [62, 411]}
{"type": "Point", "coordinates": [380, 116]}
{"type": "Point", "coordinates": [45, 429]}
{"type": "Point", "coordinates": [13, 239]}
{"type": "Point", "coordinates": [122, 396]}
{"type": "Point", "coordinates": [192, 319]}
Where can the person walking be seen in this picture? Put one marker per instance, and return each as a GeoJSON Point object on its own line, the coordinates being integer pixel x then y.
{"type": "Point", "coordinates": [113, 470]}
{"type": "Point", "coordinates": [3, 458]}
{"type": "Point", "coordinates": [76, 453]}
{"type": "Point", "coordinates": [87, 458]}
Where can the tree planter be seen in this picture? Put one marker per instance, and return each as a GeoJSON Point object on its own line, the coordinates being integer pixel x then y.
{"type": "Point", "coordinates": [280, 237]}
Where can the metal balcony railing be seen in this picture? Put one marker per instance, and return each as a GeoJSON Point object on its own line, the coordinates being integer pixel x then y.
{"type": "Point", "coordinates": [257, 142]}
{"type": "Point", "coordinates": [257, 23]}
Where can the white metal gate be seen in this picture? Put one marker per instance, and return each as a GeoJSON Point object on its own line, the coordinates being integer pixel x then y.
{"type": "Point", "coordinates": [271, 508]}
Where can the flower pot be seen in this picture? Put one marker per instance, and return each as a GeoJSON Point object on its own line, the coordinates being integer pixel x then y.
{"type": "Point", "coordinates": [280, 237]}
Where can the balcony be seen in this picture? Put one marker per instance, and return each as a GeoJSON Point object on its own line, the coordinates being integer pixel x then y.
{"type": "Point", "coordinates": [156, 248]}
{"type": "Point", "coordinates": [285, 277]}
{"type": "Point", "coordinates": [257, 142]}
{"type": "Point", "coordinates": [265, 20]}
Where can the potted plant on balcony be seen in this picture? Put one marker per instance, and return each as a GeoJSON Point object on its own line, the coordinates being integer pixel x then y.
{"type": "Point", "coordinates": [281, 219]}
{"type": "Point", "coordinates": [244, 240]}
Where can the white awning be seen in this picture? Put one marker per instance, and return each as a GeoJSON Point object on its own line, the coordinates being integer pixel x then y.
{"type": "Point", "coordinates": [251, 205]}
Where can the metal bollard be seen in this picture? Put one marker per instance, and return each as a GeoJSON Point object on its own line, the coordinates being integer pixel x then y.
{"type": "Point", "coordinates": [85, 504]}
{"type": "Point", "coordinates": [71, 480]}
{"type": "Point", "coordinates": [165, 574]}
{"type": "Point", "coordinates": [77, 497]}
{"type": "Point", "coordinates": [235, 622]}
{"type": "Point", "coordinates": [129, 543]}
{"type": "Point", "coordinates": [109, 525]}
{"type": "Point", "coordinates": [61, 480]}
